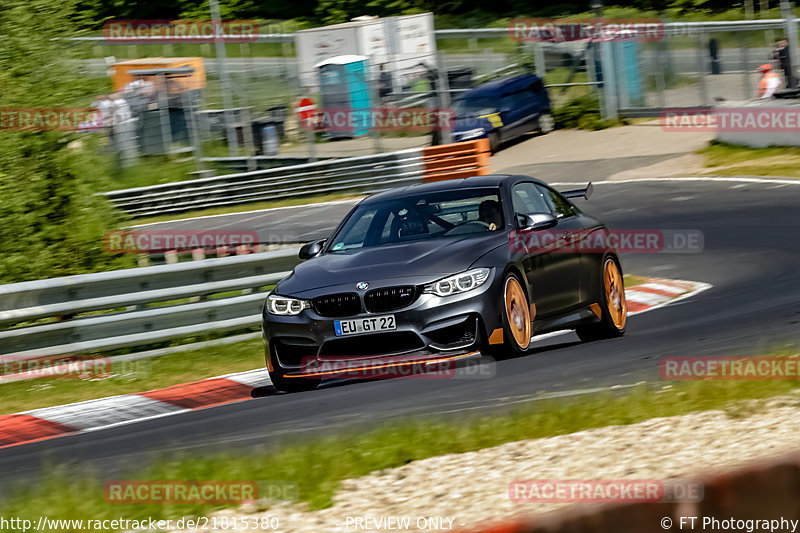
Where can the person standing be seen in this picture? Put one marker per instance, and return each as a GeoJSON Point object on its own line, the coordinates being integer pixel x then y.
{"type": "Point", "coordinates": [432, 75]}
{"type": "Point", "coordinates": [781, 54]}
{"type": "Point", "coordinates": [384, 84]}
{"type": "Point", "coordinates": [105, 107]}
{"type": "Point", "coordinates": [768, 83]}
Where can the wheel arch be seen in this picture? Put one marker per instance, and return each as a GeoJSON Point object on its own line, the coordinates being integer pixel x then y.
{"type": "Point", "coordinates": [489, 324]}
{"type": "Point", "coordinates": [516, 269]}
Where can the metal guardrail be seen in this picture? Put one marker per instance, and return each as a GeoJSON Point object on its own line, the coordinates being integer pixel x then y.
{"type": "Point", "coordinates": [118, 307]}
{"type": "Point", "coordinates": [364, 174]}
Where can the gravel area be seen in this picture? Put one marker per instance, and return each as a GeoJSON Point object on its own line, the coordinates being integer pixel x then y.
{"type": "Point", "coordinates": [470, 488]}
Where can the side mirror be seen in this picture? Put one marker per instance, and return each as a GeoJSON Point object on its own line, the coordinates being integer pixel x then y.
{"type": "Point", "coordinates": [536, 221]}
{"type": "Point", "coordinates": [311, 249]}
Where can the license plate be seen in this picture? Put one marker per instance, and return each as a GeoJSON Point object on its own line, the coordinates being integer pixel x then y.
{"type": "Point", "coordinates": [364, 325]}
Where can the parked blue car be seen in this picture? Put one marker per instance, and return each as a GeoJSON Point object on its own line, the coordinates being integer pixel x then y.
{"type": "Point", "coordinates": [502, 110]}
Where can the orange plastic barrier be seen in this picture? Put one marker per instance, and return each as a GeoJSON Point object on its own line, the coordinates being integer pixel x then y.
{"type": "Point", "coordinates": [457, 160]}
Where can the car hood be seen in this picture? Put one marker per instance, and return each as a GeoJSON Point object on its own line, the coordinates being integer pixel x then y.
{"type": "Point", "coordinates": [392, 264]}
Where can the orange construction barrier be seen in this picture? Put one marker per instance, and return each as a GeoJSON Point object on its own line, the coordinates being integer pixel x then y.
{"type": "Point", "coordinates": [456, 160]}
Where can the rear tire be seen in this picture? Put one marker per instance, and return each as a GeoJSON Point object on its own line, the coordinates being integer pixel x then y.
{"type": "Point", "coordinates": [284, 384]}
{"type": "Point", "coordinates": [614, 308]}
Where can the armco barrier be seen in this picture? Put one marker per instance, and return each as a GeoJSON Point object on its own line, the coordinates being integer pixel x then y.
{"type": "Point", "coordinates": [764, 490]}
{"type": "Point", "coordinates": [183, 294]}
{"type": "Point", "coordinates": [364, 174]}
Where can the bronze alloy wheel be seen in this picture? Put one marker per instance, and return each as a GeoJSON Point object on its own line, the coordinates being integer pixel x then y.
{"type": "Point", "coordinates": [518, 314]}
{"type": "Point", "coordinates": [615, 294]}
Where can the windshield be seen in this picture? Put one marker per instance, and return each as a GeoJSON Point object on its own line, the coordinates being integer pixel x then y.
{"type": "Point", "coordinates": [422, 216]}
{"type": "Point", "coordinates": [475, 106]}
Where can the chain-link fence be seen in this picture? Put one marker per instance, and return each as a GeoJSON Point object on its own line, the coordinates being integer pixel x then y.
{"type": "Point", "coordinates": [243, 114]}
{"type": "Point", "coordinates": [697, 67]}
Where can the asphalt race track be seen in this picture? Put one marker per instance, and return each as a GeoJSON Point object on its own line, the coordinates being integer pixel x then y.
{"type": "Point", "coordinates": [751, 257]}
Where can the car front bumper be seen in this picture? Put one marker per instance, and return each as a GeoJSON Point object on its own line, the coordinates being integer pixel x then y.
{"type": "Point", "coordinates": [431, 329]}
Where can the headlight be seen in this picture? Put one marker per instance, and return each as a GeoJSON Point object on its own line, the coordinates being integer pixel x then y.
{"type": "Point", "coordinates": [469, 134]}
{"type": "Point", "coordinates": [458, 283]}
{"type": "Point", "coordinates": [282, 305]}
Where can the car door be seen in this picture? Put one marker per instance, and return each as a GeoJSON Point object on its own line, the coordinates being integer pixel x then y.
{"type": "Point", "coordinates": [569, 283]}
{"type": "Point", "coordinates": [547, 266]}
{"type": "Point", "coordinates": [529, 109]}
{"type": "Point", "coordinates": [512, 114]}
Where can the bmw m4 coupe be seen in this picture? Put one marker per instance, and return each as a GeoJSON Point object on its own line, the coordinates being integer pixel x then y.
{"type": "Point", "coordinates": [444, 271]}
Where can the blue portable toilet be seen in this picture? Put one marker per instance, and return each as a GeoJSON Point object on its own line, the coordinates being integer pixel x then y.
{"type": "Point", "coordinates": [629, 70]}
{"type": "Point", "coordinates": [343, 86]}
{"type": "Point", "coordinates": [622, 59]}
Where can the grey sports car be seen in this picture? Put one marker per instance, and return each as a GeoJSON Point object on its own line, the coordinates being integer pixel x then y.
{"type": "Point", "coordinates": [443, 271]}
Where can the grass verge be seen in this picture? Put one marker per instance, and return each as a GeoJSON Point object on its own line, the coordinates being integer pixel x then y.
{"type": "Point", "coordinates": [135, 376]}
{"type": "Point", "coordinates": [318, 465]}
{"type": "Point", "coordinates": [631, 280]}
{"type": "Point", "coordinates": [724, 159]}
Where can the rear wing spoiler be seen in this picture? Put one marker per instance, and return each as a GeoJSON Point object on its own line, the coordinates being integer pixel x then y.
{"type": "Point", "coordinates": [579, 193]}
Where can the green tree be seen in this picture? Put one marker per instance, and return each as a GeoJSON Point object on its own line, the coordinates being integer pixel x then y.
{"type": "Point", "coordinates": [51, 224]}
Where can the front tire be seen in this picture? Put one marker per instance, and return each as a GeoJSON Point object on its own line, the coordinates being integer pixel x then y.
{"type": "Point", "coordinates": [546, 123]}
{"type": "Point", "coordinates": [613, 307]}
{"type": "Point", "coordinates": [517, 323]}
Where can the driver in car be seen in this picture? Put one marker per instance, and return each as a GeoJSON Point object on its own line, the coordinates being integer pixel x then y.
{"type": "Point", "coordinates": [489, 212]}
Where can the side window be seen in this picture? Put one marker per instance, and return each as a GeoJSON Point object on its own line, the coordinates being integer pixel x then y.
{"type": "Point", "coordinates": [387, 228]}
{"type": "Point", "coordinates": [537, 86]}
{"type": "Point", "coordinates": [559, 205]}
{"type": "Point", "coordinates": [528, 199]}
